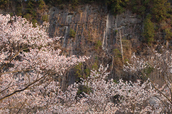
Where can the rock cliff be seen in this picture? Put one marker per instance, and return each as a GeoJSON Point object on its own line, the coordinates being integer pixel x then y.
{"type": "Point", "coordinates": [89, 28]}
{"type": "Point", "coordinates": [92, 24]}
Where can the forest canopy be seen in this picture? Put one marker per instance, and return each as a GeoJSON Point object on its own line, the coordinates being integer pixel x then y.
{"type": "Point", "coordinates": [155, 7]}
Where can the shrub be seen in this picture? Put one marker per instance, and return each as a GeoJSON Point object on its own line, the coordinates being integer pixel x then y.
{"type": "Point", "coordinates": [117, 53]}
{"type": "Point", "coordinates": [95, 66]}
{"type": "Point", "coordinates": [98, 44]}
{"type": "Point", "coordinates": [19, 11]}
{"type": "Point", "coordinates": [45, 18]}
{"type": "Point", "coordinates": [87, 72]}
{"type": "Point", "coordinates": [72, 33]}
{"type": "Point", "coordinates": [84, 89]}
{"type": "Point", "coordinates": [3, 3]}
{"type": "Point", "coordinates": [159, 9]}
{"type": "Point", "coordinates": [168, 34]}
{"type": "Point", "coordinates": [28, 16]}
{"type": "Point", "coordinates": [41, 4]}
{"type": "Point", "coordinates": [148, 30]}
{"type": "Point", "coordinates": [78, 69]}
{"type": "Point", "coordinates": [34, 21]}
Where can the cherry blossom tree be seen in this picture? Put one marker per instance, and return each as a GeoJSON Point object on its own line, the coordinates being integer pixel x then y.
{"type": "Point", "coordinates": [161, 64]}
{"type": "Point", "coordinates": [122, 97]}
{"type": "Point", "coordinates": [106, 96]}
{"type": "Point", "coordinates": [29, 65]}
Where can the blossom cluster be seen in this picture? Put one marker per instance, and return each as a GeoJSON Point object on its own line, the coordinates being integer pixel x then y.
{"type": "Point", "coordinates": [160, 63]}
{"type": "Point", "coordinates": [136, 64]}
{"type": "Point", "coordinates": [29, 64]}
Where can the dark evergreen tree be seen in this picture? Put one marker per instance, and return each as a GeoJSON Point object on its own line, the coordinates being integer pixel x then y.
{"type": "Point", "coordinates": [159, 9]}
{"type": "Point", "coordinates": [148, 30]}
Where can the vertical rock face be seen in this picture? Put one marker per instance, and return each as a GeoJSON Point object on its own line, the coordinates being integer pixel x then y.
{"type": "Point", "coordinates": [92, 23]}
{"type": "Point", "coordinates": [90, 26]}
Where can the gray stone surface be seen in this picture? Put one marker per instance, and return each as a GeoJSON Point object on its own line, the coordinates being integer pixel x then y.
{"type": "Point", "coordinates": [92, 24]}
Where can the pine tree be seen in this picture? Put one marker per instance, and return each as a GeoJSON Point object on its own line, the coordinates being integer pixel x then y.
{"type": "Point", "coordinates": [159, 9]}
{"type": "Point", "coordinates": [148, 30]}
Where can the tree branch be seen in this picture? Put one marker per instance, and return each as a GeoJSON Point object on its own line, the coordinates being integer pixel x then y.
{"type": "Point", "coordinates": [17, 91]}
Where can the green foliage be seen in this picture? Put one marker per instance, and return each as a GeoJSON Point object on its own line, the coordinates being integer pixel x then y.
{"type": "Point", "coordinates": [98, 44]}
{"type": "Point", "coordinates": [87, 72]}
{"type": "Point", "coordinates": [148, 70]}
{"type": "Point", "coordinates": [81, 72]}
{"type": "Point", "coordinates": [45, 18]}
{"type": "Point", "coordinates": [95, 66]}
{"type": "Point", "coordinates": [74, 3]}
{"type": "Point", "coordinates": [84, 89]}
{"type": "Point", "coordinates": [11, 14]}
{"type": "Point", "coordinates": [30, 6]}
{"type": "Point", "coordinates": [148, 30]}
{"type": "Point", "coordinates": [72, 33]}
{"type": "Point", "coordinates": [117, 53]}
{"type": "Point", "coordinates": [19, 11]}
{"type": "Point", "coordinates": [139, 6]}
{"type": "Point", "coordinates": [96, 58]}
{"type": "Point", "coordinates": [3, 3]}
{"type": "Point", "coordinates": [115, 81]}
{"type": "Point", "coordinates": [41, 4]}
{"type": "Point", "coordinates": [142, 10]}
{"type": "Point", "coordinates": [117, 6]}
{"type": "Point", "coordinates": [126, 60]}
{"type": "Point", "coordinates": [159, 9]}
{"type": "Point", "coordinates": [116, 31]}
{"type": "Point", "coordinates": [28, 16]}
{"type": "Point", "coordinates": [168, 35]}
{"type": "Point", "coordinates": [78, 69]}
{"type": "Point", "coordinates": [34, 21]}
